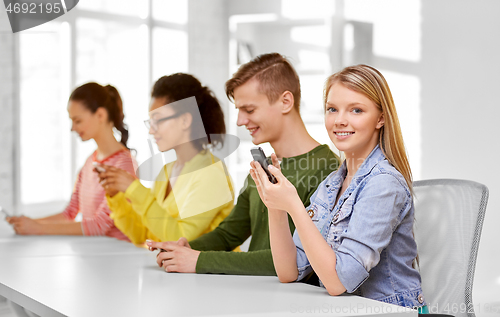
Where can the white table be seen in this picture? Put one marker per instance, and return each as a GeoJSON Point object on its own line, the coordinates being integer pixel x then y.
{"type": "Point", "coordinates": [86, 276]}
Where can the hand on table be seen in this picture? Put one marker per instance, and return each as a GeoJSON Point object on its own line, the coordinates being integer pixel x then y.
{"type": "Point", "coordinates": [114, 180]}
{"type": "Point", "coordinates": [152, 245]}
{"type": "Point", "coordinates": [176, 256]}
{"type": "Point", "coordinates": [25, 226]}
{"type": "Point", "coordinates": [280, 196]}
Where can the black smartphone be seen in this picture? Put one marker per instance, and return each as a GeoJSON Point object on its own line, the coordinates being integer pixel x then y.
{"type": "Point", "coordinates": [259, 156]}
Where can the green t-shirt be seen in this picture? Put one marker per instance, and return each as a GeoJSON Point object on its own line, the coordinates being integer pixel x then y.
{"type": "Point", "coordinates": [249, 218]}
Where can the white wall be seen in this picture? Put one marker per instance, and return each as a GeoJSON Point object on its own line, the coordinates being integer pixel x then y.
{"type": "Point", "coordinates": [458, 72]}
{"type": "Point", "coordinates": [209, 45]}
{"type": "Point", "coordinates": [460, 111]}
{"type": "Point", "coordinates": [7, 122]}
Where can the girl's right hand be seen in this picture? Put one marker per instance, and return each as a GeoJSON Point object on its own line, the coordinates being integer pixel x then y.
{"type": "Point", "coordinates": [108, 190]}
{"type": "Point", "coordinates": [26, 226]}
{"type": "Point", "coordinates": [276, 163]}
{"type": "Point", "coordinates": [115, 180]}
{"type": "Point", "coordinates": [280, 196]}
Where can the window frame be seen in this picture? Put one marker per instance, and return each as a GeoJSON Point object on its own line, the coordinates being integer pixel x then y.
{"type": "Point", "coordinates": [51, 207]}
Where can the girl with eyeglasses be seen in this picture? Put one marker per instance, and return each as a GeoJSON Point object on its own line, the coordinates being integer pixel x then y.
{"type": "Point", "coordinates": [95, 111]}
{"type": "Point", "coordinates": [357, 232]}
{"type": "Point", "coordinates": [191, 195]}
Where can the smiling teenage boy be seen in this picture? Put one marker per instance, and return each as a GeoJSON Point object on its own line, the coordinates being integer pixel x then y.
{"type": "Point", "coordinates": [266, 93]}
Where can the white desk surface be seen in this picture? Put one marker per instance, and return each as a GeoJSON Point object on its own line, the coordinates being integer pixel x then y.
{"type": "Point", "coordinates": [83, 276]}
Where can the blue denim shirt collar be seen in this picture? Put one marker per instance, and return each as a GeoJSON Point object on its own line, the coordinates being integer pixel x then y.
{"type": "Point", "coordinates": [376, 156]}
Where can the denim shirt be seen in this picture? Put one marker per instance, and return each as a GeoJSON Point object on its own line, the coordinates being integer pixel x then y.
{"type": "Point", "coordinates": [371, 231]}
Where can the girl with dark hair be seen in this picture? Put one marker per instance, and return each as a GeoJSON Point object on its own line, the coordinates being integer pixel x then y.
{"type": "Point", "coordinates": [190, 196]}
{"type": "Point", "coordinates": [94, 111]}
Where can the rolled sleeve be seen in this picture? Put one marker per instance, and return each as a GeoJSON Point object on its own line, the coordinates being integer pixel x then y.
{"type": "Point", "coordinates": [303, 265]}
{"type": "Point", "coordinates": [351, 273]}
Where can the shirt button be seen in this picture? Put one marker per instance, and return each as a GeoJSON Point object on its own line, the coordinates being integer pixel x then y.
{"type": "Point", "coordinates": [420, 298]}
{"type": "Point", "coordinates": [335, 217]}
{"type": "Point", "coordinates": [310, 212]}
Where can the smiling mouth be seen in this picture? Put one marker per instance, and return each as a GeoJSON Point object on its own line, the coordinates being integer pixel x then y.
{"type": "Point", "coordinates": [252, 130]}
{"type": "Point", "coordinates": [343, 133]}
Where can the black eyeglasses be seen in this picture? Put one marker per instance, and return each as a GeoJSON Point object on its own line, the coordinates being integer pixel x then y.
{"type": "Point", "coordinates": [153, 124]}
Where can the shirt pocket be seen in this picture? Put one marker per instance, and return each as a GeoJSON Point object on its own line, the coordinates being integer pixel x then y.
{"type": "Point", "coordinates": [313, 213]}
{"type": "Point", "coordinates": [340, 224]}
{"type": "Point", "coordinates": [318, 215]}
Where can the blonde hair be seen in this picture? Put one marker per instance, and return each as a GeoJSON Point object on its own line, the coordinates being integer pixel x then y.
{"type": "Point", "coordinates": [368, 81]}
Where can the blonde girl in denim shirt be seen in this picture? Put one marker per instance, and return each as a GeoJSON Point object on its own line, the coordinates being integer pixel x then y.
{"type": "Point", "coordinates": [357, 232]}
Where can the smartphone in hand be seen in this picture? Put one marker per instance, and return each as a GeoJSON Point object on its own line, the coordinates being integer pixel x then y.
{"type": "Point", "coordinates": [259, 156]}
{"type": "Point", "coordinates": [5, 212]}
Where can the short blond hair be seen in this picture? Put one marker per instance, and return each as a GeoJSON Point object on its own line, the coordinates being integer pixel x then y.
{"type": "Point", "coordinates": [274, 73]}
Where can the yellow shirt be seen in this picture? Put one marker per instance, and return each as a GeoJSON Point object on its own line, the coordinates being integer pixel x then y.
{"type": "Point", "coordinates": [202, 196]}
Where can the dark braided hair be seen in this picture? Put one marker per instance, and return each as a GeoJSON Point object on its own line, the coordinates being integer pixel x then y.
{"type": "Point", "coordinates": [180, 86]}
{"type": "Point", "coordinates": [95, 96]}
